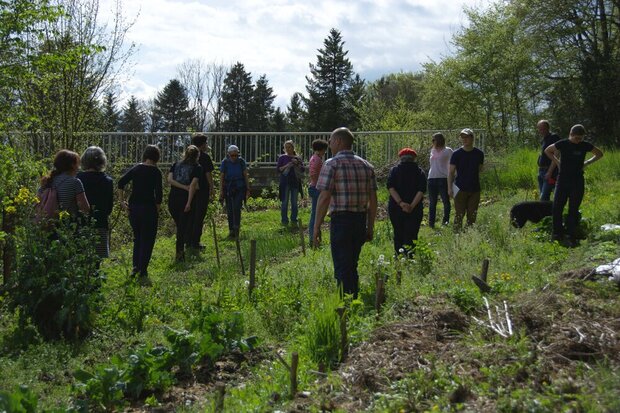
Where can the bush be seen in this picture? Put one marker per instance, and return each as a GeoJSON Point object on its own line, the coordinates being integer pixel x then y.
{"type": "Point", "coordinates": [56, 285]}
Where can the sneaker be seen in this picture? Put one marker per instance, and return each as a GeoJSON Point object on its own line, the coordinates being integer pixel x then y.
{"type": "Point", "coordinates": [145, 281]}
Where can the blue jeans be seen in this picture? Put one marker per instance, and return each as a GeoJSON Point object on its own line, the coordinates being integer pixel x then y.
{"type": "Point", "coordinates": [234, 201]}
{"type": "Point", "coordinates": [314, 195]}
{"type": "Point", "coordinates": [290, 194]}
{"type": "Point", "coordinates": [544, 187]}
{"type": "Point", "coordinates": [348, 234]}
{"type": "Point", "coordinates": [438, 187]}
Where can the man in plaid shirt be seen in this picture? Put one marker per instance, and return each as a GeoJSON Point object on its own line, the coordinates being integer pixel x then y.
{"type": "Point", "coordinates": [349, 188]}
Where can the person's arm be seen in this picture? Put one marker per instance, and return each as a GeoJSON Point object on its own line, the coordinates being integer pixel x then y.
{"type": "Point", "coordinates": [552, 153]}
{"type": "Point", "coordinates": [598, 154]}
{"type": "Point", "coordinates": [550, 170]}
{"type": "Point", "coordinates": [416, 200]}
{"type": "Point", "coordinates": [193, 187]}
{"type": "Point", "coordinates": [372, 215]}
{"type": "Point", "coordinates": [451, 174]}
{"type": "Point", "coordinates": [288, 165]}
{"type": "Point", "coordinates": [222, 185]}
{"type": "Point", "coordinates": [209, 176]}
{"type": "Point", "coordinates": [159, 192]}
{"type": "Point", "coordinates": [321, 210]}
{"type": "Point", "coordinates": [176, 184]}
{"type": "Point", "coordinates": [109, 204]}
{"type": "Point", "coordinates": [396, 197]}
{"type": "Point", "coordinates": [82, 203]}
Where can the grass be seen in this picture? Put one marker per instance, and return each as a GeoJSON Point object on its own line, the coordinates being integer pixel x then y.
{"type": "Point", "coordinates": [292, 287]}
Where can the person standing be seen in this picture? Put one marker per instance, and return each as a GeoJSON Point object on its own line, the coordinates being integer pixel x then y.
{"type": "Point", "coordinates": [183, 179]}
{"type": "Point", "coordinates": [234, 188]}
{"type": "Point", "coordinates": [570, 185]}
{"type": "Point", "coordinates": [319, 146]}
{"type": "Point", "coordinates": [407, 185]}
{"type": "Point", "coordinates": [205, 191]}
{"type": "Point", "coordinates": [349, 189]}
{"type": "Point", "coordinates": [547, 171]}
{"type": "Point", "coordinates": [466, 163]}
{"type": "Point", "coordinates": [290, 168]}
{"type": "Point", "coordinates": [99, 190]}
{"type": "Point", "coordinates": [438, 179]}
{"type": "Point", "coordinates": [144, 205]}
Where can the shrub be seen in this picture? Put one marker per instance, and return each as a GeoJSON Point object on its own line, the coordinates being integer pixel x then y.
{"type": "Point", "coordinates": [56, 285]}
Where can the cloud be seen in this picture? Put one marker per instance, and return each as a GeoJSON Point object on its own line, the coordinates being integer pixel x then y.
{"type": "Point", "coordinates": [280, 38]}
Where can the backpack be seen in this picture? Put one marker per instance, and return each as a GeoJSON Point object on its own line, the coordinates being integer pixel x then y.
{"type": "Point", "coordinates": [48, 206]}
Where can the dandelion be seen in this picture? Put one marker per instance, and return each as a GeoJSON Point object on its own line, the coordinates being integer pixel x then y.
{"type": "Point", "coordinates": [401, 250]}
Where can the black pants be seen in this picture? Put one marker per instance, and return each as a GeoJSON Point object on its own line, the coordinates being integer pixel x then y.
{"type": "Point", "coordinates": [143, 220]}
{"type": "Point", "coordinates": [347, 236]}
{"type": "Point", "coordinates": [199, 209]}
{"type": "Point", "coordinates": [571, 191]}
{"type": "Point", "coordinates": [406, 227]}
{"type": "Point", "coordinates": [183, 220]}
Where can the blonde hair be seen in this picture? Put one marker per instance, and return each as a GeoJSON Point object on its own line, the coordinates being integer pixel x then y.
{"type": "Point", "coordinates": [290, 142]}
{"type": "Point", "coordinates": [191, 155]}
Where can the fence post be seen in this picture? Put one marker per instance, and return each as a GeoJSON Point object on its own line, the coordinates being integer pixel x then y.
{"type": "Point", "coordinates": [294, 364]}
{"type": "Point", "coordinates": [217, 250]}
{"type": "Point", "coordinates": [379, 293]}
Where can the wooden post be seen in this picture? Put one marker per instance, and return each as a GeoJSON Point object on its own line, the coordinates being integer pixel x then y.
{"type": "Point", "coordinates": [238, 243]}
{"type": "Point", "coordinates": [252, 267]}
{"type": "Point", "coordinates": [379, 293]}
{"type": "Point", "coordinates": [294, 364]}
{"type": "Point", "coordinates": [481, 282]}
{"type": "Point", "coordinates": [217, 250]}
{"type": "Point", "coordinates": [301, 237]}
{"type": "Point", "coordinates": [485, 270]}
{"type": "Point", "coordinates": [344, 345]}
{"type": "Point", "coordinates": [220, 389]}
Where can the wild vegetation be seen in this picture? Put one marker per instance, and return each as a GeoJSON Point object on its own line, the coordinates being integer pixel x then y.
{"type": "Point", "coordinates": [197, 340]}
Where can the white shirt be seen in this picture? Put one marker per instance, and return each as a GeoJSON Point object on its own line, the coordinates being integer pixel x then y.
{"type": "Point", "coordinates": [440, 163]}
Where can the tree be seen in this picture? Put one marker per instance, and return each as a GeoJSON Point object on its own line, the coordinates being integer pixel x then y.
{"type": "Point", "coordinates": [236, 100]}
{"type": "Point", "coordinates": [296, 113]}
{"type": "Point", "coordinates": [171, 109]}
{"type": "Point", "coordinates": [133, 118]}
{"type": "Point", "coordinates": [329, 85]}
{"type": "Point", "coordinates": [111, 115]}
{"type": "Point", "coordinates": [278, 121]}
{"type": "Point", "coordinates": [261, 108]}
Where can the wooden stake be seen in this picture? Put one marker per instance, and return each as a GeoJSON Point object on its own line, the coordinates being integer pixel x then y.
{"type": "Point", "coordinates": [481, 282]}
{"type": "Point", "coordinates": [301, 237]}
{"type": "Point", "coordinates": [379, 293]}
{"type": "Point", "coordinates": [294, 364]}
{"type": "Point", "coordinates": [252, 267]}
{"type": "Point", "coordinates": [485, 270]}
{"type": "Point", "coordinates": [238, 243]}
{"type": "Point", "coordinates": [217, 250]}
{"type": "Point", "coordinates": [344, 347]}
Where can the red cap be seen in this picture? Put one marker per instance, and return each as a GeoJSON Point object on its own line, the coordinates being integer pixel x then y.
{"type": "Point", "coordinates": [407, 151]}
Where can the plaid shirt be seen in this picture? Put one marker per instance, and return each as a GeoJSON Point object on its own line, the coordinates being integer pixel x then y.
{"type": "Point", "coordinates": [350, 180]}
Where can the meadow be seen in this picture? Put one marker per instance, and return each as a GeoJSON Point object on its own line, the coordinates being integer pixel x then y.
{"type": "Point", "coordinates": [197, 340]}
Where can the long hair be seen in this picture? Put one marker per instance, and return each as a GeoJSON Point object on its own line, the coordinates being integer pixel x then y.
{"type": "Point", "coordinates": [64, 161]}
{"type": "Point", "coordinates": [191, 155]}
{"type": "Point", "coordinates": [290, 142]}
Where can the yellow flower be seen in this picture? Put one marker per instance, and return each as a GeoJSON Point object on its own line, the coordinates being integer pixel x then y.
{"type": "Point", "coordinates": [63, 215]}
{"type": "Point", "coordinates": [10, 209]}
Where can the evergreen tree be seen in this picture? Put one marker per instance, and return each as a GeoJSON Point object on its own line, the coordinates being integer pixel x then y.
{"type": "Point", "coordinates": [261, 110]}
{"type": "Point", "coordinates": [171, 109]}
{"type": "Point", "coordinates": [111, 115]}
{"type": "Point", "coordinates": [236, 99]}
{"type": "Point", "coordinates": [296, 113]}
{"type": "Point", "coordinates": [329, 86]}
{"type": "Point", "coordinates": [133, 118]}
{"type": "Point", "coordinates": [278, 121]}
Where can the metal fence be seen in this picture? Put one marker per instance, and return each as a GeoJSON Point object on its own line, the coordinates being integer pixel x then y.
{"type": "Point", "coordinates": [257, 148]}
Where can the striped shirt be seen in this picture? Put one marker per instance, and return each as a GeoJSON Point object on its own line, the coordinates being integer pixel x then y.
{"type": "Point", "coordinates": [68, 188]}
{"type": "Point", "coordinates": [350, 179]}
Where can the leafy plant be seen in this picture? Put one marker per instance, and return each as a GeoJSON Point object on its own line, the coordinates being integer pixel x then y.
{"type": "Point", "coordinates": [424, 257]}
{"type": "Point", "coordinates": [102, 390]}
{"type": "Point", "coordinates": [21, 400]}
{"type": "Point", "coordinates": [322, 338]}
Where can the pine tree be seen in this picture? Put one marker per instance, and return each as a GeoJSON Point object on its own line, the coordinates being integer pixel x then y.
{"type": "Point", "coordinates": [278, 121]}
{"type": "Point", "coordinates": [261, 110]}
{"type": "Point", "coordinates": [296, 113]}
{"type": "Point", "coordinates": [171, 109]}
{"type": "Point", "coordinates": [111, 115]}
{"type": "Point", "coordinates": [236, 99]}
{"type": "Point", "coordinates": [133, 118]}
{"type": "Point", "coordinates": [329, 85]}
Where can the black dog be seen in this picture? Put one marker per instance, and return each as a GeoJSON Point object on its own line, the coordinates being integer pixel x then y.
{"type": "Point", "coordinates": [533, 211]}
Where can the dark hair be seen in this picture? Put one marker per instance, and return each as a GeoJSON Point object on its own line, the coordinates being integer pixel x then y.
{"type": "Point", "coordinates": [191, 155]}
{"type": "Point", "coordinates": [345, 135]}
{"type": "Point", "coordinates": [151, 152]}
{"type": "Point", "coordinates": [319, 145]}
{"type": "Point", "coordinates": [64, 161]}
{"type": "Point", "coordinates": [439, 139]}
{"type": "Point", "coordinates": [94, 158]}
{"type": "Point", "coordinates": [199, 140]}
{"type": "Point", "coordinates": [578, 130]}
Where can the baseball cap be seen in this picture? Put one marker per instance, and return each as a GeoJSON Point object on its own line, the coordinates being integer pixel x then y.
{"type": "Point", "coordinates": [468, 132]}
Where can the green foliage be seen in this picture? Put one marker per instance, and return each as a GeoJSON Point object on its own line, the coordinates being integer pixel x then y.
{"type": "Point", "coordinates": [57, 283]}
{"type": "Point", "coordinates": [103, 389]}
{"type": "Point", "coordinates": [22, 400]}
{"type": "Point", "coordinates": [466, 299]}
{"type": "Point", "coordinates": [423, 256]}
{"type": "Point", "coordinates": [171, 108]}
{"type": "Point", "coordinates": [322, 336]}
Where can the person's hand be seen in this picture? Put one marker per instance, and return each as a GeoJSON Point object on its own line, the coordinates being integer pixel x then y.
{"type": "Point", "coordinates": [403, 206]}
{"type": "Point", "coordinates": [450, 194]}
{"type": "Point", "coordinates": [186, 187]}
{"type": "Point", "coordinates": [188, 207]}
{"type": "Point", "coordinates": [316, 238]}
{"type": "Point", "coordinates": [247, 194]}
{"type": "Point", "coordinates": [548, 175]}
{"type": "Point", "coordinates": [369, 234]}
{"type": "Point", "coordinates": [125, 206]}
{"type": "Point", "coordinates": [158, 207]}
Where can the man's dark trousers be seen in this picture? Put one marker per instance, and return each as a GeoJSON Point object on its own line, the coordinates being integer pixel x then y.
{"type": "Point", "coordinates": [347, 234]}
{"type": "Point", "coordinates": [200, 211]}
{"type": "Point", "coordinates": [571, 191]}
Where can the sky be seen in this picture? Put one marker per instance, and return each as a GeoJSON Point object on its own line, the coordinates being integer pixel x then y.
{"type": "Point", "coordinates": [280, 38]}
